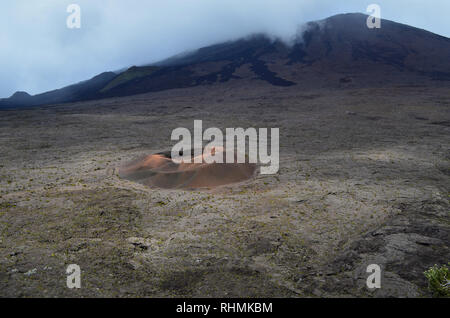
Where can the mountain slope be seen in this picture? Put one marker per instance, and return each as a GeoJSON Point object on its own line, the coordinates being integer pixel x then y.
{"type": "Point", "coordinates": [81, 91]}
{"type": "Point", "coordinates": [335, 52]}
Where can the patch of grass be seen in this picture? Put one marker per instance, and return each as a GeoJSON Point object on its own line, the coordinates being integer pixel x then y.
{"type": "Point", "coordinates": [439, 280]}
{"type": "Point", "coordinates": [132, 73]}
{"type": "Point", "coordinates": [6, 205]}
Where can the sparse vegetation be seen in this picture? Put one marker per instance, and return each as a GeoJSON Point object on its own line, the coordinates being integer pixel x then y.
{"type": "Point", "coordinates": [439, 280]}
{"type": "Point", "coordinates": [130, 74]}
{"type": "Point", "coordinates": [255, 239]}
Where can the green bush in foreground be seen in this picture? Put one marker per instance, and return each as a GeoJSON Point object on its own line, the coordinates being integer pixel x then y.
{"type": "Point", "coordinates": [439, 280]}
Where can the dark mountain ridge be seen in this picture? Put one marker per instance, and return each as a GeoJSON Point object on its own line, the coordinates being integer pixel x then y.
{"type": "Point", "coordinates": [335, 52]}
{"type": "Point", "coordinates": [81, 91]}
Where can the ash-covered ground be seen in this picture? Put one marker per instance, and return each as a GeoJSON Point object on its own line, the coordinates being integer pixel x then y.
{"type": "Point", "coordinates": [364, 179]}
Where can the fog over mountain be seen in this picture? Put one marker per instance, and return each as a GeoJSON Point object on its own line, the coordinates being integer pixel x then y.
{"type": "Point", "coordinates": [40, 53]}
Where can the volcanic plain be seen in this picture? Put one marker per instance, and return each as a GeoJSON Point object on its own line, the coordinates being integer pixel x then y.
{"type": "Point", "coordinates": [364, 179]}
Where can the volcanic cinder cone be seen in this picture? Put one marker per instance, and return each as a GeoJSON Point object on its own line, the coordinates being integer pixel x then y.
{"type": "Point", "coordinates": [159, 170]}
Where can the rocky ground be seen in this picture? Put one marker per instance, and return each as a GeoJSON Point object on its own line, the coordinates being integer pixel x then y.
{"type": "Point", "coordinates": [364, 179]}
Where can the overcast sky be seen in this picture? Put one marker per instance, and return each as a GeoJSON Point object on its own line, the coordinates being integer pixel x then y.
{"type": "Point", "coordinates": [39, 53]}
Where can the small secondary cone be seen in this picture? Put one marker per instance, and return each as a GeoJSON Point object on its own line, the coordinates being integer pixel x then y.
{"type": "Point", "coordinates": [159, 170]}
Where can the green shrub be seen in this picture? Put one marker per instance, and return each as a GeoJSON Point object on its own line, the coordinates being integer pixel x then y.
{"type": "Point", "coordinates": [439, 280]}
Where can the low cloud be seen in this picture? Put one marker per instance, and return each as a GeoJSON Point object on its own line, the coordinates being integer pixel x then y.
{"type": "Point", "coordinates": [39, 53]}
